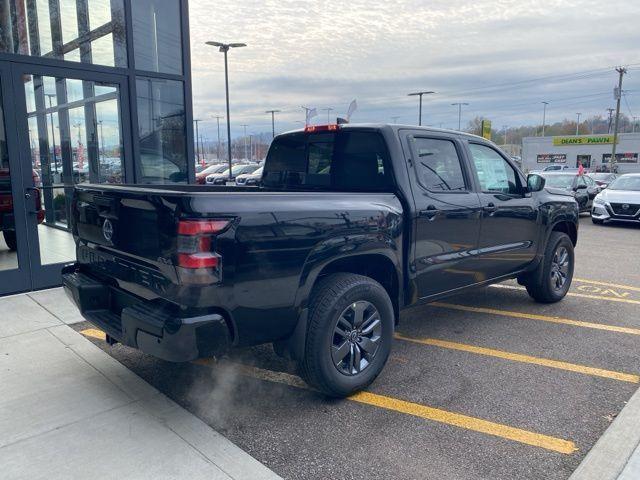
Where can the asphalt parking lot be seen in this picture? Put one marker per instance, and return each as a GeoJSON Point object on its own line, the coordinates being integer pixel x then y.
{"type": "Point", "coordinates": [484, 385]}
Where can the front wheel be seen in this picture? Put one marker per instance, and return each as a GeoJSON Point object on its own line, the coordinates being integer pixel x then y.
{"type": "Point", "coordinates": [349, 335]}
{"type": "Point", "coordinates": [550, 282]}
{"type": "Point", "coordinates": [10, 239]}
{"type": "Point", "coordinates": [596, 221]}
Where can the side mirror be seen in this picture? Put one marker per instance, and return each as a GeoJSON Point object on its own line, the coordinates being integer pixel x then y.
{"type": "Point", "coordinates": [535, 183]}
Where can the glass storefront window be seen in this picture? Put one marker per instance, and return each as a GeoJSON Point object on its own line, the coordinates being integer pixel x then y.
{"type": "Point", "coordinates": [157, 41]}
{"type": "Point", "coordinates": [161, 129]}
{"type": "Point", "coordinates": [73, 30]}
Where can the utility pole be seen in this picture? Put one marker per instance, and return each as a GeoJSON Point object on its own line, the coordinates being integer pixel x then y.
{"type": "Point", "coordinates": [420, 94]}
{"type": "Point", "coordinates": [328, 110]}
{"type": "Point", "coordinates": [621, 71]}
{"type": "Point", "coordinates": [459, 105]}
{"type": "Point", "coordinates": [578, 123]}
{"type": "Point", "coordinates": [504, 139]}
{"type": "Point", "coordinates": [544, 116]}
{"type": "Point", "coordinates": [273, 121]}
{"type": "Point", "coordinates": [610, 110]}
{"type": "Point", "coordinates": [245, 140]}
{"type": "Point", "coordinates": [197, 140]}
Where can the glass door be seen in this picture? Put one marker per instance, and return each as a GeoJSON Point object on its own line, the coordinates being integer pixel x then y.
{"type": "Point", "coordinates": [14, 257]}
{"type": "Point", "coordinates": [70, 130]}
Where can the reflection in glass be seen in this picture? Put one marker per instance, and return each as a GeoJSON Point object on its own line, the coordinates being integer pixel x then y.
{"type": "Point", "coordinates": [161, 128]}
{"type": "Point", "coordinates": [8, 240]}
{"type": "Point", "coordinates": [156, 35]}
{"type": "Point", "coordinates": [87, 31]}
{"type": "Point", "coordinates": [75, 136]}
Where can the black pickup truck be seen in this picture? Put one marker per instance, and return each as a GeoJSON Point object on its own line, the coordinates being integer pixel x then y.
{"type": "Point", "coordinates": [352, 224]}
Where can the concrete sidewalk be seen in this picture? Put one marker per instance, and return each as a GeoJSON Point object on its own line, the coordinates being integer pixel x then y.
{"type": "Point", "coordinates": [616, 455]}
{"type": "Point", "coordinates": [69, 410]}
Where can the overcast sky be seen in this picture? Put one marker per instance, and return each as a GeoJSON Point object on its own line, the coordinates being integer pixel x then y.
{"type": "Point", "coordinates": [503, 57]}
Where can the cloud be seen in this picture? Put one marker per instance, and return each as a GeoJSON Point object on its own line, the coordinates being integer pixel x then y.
{"type": "Point", "coordinates": [325, 53]}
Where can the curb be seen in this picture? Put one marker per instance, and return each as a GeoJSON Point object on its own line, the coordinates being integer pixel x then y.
{"type": "Point", "coordinates": [611, 453]}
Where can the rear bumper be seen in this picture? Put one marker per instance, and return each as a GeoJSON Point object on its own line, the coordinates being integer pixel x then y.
{"type": "Point", "coordinates": [152, 327]}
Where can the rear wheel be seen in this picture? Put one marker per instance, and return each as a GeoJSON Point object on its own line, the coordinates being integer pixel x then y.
{"type": "Point", "coordinates": [349, 335]}
{"type": "Point", "coordinates": [550, 282]}
{"type": "Point", "coordinates": [10, 239]}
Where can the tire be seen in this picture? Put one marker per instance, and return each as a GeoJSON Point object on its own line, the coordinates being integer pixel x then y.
{"type": "Point", "coordinates": [550, 282]}
{"type": "Point", "coordinates": [335, 305]}
{"type": "Point", "coordinates": [596, 221]}
{"type": "Point", "coordinates": [10, 239]}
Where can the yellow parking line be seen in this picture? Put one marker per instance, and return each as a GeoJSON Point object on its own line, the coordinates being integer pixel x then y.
{"type": "Point", "coordinates": [574, 294]}
{"type": "Point", "coordinates": [94, 333]}
{"type": "Point", "coordinates": [605, 284]}
{"type": "Point", "coordinates": [422, 411]}
{"type": "Point", "coordinates": [467, 422]}
{"type": "Point", "coordinates": [544, 318]}
{"type": "Point", "coordinates": [516, 357]}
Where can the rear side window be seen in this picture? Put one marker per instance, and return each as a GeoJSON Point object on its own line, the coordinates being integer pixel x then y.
{"type": "Point", "coordinates": [343, 160]}
{"type": "Point", "coordinates": [438, 165]}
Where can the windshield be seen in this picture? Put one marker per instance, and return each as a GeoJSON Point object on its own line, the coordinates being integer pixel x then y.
{"type": "Point", "coordinates": [626, 183]}
{"type": "Point", "coordinates": [559, 181]}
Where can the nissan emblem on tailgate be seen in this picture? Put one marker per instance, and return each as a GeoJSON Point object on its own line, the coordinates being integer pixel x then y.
{"type": "Point", "coordinates": [107, 230]}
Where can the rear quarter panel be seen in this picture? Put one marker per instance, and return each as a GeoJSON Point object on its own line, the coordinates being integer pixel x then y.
{"type": "Point", "coordinates": [281, 242]}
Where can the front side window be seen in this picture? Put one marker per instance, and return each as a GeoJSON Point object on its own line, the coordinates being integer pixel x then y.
{"type": "Point", "coordinates": [438, 165]}
{"type": "Point", "coordinates": [494, 172]}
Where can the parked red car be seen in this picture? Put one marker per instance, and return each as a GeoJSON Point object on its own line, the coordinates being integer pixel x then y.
{"type": "Point", "coordinates": [7, 219]}
{"type": "Point", "coordinates": [216, 168]}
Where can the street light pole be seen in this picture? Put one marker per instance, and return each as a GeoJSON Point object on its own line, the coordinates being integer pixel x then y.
{"type": "Point", "coordinates": [197, 140]}
{"type": "Point", "coordinates": [544, 116]}
{"type": "Point", "coordinates": [420, 94]}
{"type": "Point", "coordinates": [273, 121]}
{"type": "Point", "coordinates": [218, 117]}
{"type": "Point", "coordinates": [459, 105]}
{"type": "Point", "coordinates": [53, 131]}
{"type": "Point", "coordinates": [578, 123]}
{"type": "Point", "coordinates": [328, 110]}
{"type": "Point", "coordinates": [224, 48]}
{"type": "Point", "coordinates": [245, 140]}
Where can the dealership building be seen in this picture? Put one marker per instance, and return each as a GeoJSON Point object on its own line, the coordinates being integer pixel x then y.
{"type": "Point", "coordinates": [593, 151]}
{"type": "Point", "coordinates": [90, 91]}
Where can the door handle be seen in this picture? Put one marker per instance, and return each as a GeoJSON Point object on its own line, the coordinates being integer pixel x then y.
{"type": "Point", "coordinates": [31, 193]}
{"type": "Point", "coordinates": [490, 207]}
{"type": "Point", "coordinates": [430, 212]}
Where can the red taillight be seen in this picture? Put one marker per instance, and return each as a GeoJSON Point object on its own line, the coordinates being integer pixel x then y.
{"type": "Point", "coordinates": [196, 243]}
{"type": "Point", "coordinates": [321, 128]}
{"type": "Point", "coordinates": [202, 227]}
